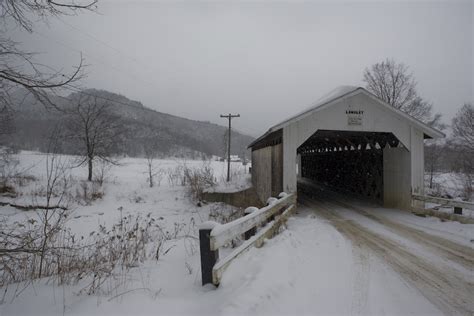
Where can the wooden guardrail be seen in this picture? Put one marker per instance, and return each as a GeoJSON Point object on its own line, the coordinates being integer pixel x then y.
{"type": "Point", "coordinates": [457, 205]}
{"type": "Point", "coordinates": [255, 226]}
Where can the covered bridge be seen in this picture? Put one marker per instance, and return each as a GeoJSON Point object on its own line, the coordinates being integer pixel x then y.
{"type": "Point", "coordinates": [350, 141]}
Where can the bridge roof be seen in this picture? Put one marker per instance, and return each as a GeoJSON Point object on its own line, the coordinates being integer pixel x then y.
{"type": "Point", "coordinates": [344, 92]}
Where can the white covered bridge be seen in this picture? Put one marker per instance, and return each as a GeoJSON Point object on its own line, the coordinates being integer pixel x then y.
{"type": "Point", "coordinates": [350, 141]}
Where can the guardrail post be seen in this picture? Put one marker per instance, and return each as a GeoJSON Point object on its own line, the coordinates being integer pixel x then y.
{"type": "Point", "coordinates": [458, 210]}
{"type": "Point", "coordinates": [208, 257]}
{"type": "Point", "coordinates": [249, 233]}
{"type": "Point", "coordinates": [270, 201]}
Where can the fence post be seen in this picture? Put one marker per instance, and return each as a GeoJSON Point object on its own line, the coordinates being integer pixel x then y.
{"type": "Point", "coordinates": [208, 257]}
{"type": "Point", "coordinates": [270, 201]}
{"type": "Point", "coordinates": [458, 210]}
{"type": "Point", "coordinates": [249, 233]}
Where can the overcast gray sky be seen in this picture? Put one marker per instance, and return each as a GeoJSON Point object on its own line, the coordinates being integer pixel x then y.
{"type": "Point", "coordinates": [265, 60]}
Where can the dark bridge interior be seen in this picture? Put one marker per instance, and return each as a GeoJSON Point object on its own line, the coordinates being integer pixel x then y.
{"type": "Point", "coordinates": [347, 161]}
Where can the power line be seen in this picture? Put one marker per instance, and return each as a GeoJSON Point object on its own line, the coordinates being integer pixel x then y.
{"type": "Point", "coordinates": [98, 40]}
{"type": "Point", "coordinates": [106, 44]}
{"type": "Point", "coordinates": [99, 60]}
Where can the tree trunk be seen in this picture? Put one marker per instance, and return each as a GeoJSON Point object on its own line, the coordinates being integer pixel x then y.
{"type": "Point", "coordinates": [431, 178]}
{"type": "Point", "coordinates": [45, 240]}
{"type": "Point", "coordinates": [89, 163]}
{"type": "Point", "coordinates": [150, 174]}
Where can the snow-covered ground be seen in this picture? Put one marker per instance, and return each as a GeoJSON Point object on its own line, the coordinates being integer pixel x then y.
{"type": "Point", "coordinates": [312, 267]}
{"type": "Point", "coordinates": [126, 192]}
{"type": "Point", "coordinates": [308, 269]}
{"type": "Point", "coordinates": [446, 184]}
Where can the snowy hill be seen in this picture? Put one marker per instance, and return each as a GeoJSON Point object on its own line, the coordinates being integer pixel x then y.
{"type": "Point", "coordinates": [175, 135]}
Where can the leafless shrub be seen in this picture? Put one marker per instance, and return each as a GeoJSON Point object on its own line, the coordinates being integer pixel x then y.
{"type": "Point", "coordinates": [34, 243]}
{"type": "Point", "coordinates": [154, 174]}
{"type": "Point", "coordinates": [124, 246]}
{"type": "Point", "coordinates": [101, 172]}
{"type": "Point", "coordinates": [189, 269]}
{"type": "Point", "coordinates": [463, 143]}
{"type": "Point", "coordinates": [158, 176]}
{"type": "Point", "coordinates": [433, 157]}
{"type": "Point", "coordinates": [175, 175]}
{"type": "Point", "coordinates": [88, 192]}
{"type": "Point", "coordinates": [235, 175]}
{"type": "Point", "coordinates": [22, 180]}
{"type": "Point", "coordinates": [151, 149]}
{"type": "Point", "coordinates": [199, 179]}
{"type": "Point", "coordinates": [224, 213]}
{"type": "Point", "coordinates": [435, 189]}
{"type": "Point", "coordinates": [104, 255]}
{"type": "Point", "coordinates": [8, 170]}
{"type": "Point", "coordinates": [136, 198]}
{"type": "Point", "coordinates": [468, 187]}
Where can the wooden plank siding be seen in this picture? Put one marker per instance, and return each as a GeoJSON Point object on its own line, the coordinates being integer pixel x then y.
{"type": "Point", "coordinates": [267, 171]}
{"type": "Point", "coordinates": [277, 169]}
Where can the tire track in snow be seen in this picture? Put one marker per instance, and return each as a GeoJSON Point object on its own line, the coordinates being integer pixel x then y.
{"type": "Point", "coordinates": [457, 253]}
{"type": "Point", "coordinates": [446, 288]}
{"type": "Point", "coordinates": [360, 293]}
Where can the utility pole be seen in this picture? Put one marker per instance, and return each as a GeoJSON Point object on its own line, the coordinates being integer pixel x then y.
{"type": "Point", "coordinates": [230, 117]}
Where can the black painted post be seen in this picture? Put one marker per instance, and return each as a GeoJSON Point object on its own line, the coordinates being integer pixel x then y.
{"type": "Point", "coordinates": [249, 233]}
{"type": "Point", "coordinates": [208, 256]}
{"type": "Point", "coordinates": [458, 210]}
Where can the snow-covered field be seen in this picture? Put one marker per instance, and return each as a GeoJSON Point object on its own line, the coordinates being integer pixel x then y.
{"type": "Point", "coordinates": [126, 187]}
{"type": "Point", "coordinates": [312, 267]}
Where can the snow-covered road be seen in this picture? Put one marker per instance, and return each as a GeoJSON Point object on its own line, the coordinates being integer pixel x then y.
{"type": "Point", "coordinates": [313, 269]}
{"type": "Point", "coordinates": [341, 257]}
{"type": "Point", "coordinates": [440, 269]}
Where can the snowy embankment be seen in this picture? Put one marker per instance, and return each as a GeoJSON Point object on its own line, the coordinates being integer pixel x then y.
{"type": "Point", "coordinates": [448, 185]}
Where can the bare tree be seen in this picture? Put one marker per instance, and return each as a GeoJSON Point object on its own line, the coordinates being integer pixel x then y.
{"type": "Point", "coordinates": [151, 149]}
{"type": "Point", "coordinates": [434, 153]}
{"type": "Point", "coordinates": [393, 83]}
{"type": "Point", "coordinates": [6, 122]}
{"type": "Point", "coordinates": [7, 163]}
{"type": "Point", "coordinates": [463, 140]}
{"type": "Point", "coordinates": [52, 218]}
{"type": "Point", "coordinates": [18, 68]}
{"type": "Point", "coordinates": [463, 126]}
{"type": "Point", "coordinates": [95, 128]}
{"type": "Point", "coordinates": [29, 244]}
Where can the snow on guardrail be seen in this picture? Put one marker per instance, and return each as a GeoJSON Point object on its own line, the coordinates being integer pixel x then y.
{"type": "Point", "coordinates": [213, 236]}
